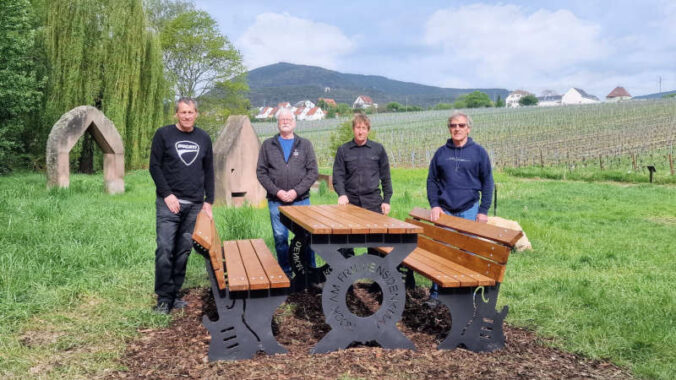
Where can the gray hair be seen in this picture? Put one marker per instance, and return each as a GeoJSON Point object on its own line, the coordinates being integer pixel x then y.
{"type": "Point", "coordinates": [457, 113]}
{"type": "Point", "coordinates": [185, 100]}
{"type": "Point", "coordinates": [286, 111]}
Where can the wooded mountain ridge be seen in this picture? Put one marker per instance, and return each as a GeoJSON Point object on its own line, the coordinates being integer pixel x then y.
{"type": "Point", "coordinates": [286, 82]}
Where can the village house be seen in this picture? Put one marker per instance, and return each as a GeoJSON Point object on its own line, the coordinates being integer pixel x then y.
{"type": "Point", "coordinates": [302, 110]}
{"type": "Point", "coordinates": [363, 102]}
{"type": "Point", "coordinates": [512, 100]}
{"type": "Point", "coordinates": [618, 94]}
{"type": "Point", "coordinates": [578, 96]}
{"type": "Point", "coordinates": [549, 98]}
{"type": "Point", "coordinates": [329, 102]}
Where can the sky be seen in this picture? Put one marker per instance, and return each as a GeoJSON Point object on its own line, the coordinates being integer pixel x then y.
{"type": "Point", "coordinates": [529, 45]}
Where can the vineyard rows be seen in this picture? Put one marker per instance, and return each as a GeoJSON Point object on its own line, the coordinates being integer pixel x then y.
{"type": "Point", "coordinates": [516, 137]}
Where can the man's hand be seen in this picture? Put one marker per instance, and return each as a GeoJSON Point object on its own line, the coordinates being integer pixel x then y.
{"type": "Point", "coordinates": [292, 195]}
{"type": "Point", "coordinates": [482, 218]}
{"type": "Point", "coordinates": [342, 200]}
{"type": "Point", "coordinates": [436, 212]}
{"type": "Point", "coordinates": [283, 195]}
{"type": "Point", "coordinates": [206, 207]}
{"type": "Point", "coordinates": [172, 203]}
{"type": "Point", "coordinates": [385, 207]}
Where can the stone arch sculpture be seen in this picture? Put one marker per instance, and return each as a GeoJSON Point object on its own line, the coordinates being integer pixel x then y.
{"type": "Point", "coordinates": [235, 160]}
{"type": "Point", "coordinates": [68, 130]}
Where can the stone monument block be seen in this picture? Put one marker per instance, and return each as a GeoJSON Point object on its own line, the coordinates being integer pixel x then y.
{"type": "Point", "coordinates": [68, 130]}
{"type": "Point", "coordinates": [235, 159]}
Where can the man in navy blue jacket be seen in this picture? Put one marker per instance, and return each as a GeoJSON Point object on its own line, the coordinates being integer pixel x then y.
{"type": "Point", "coordinates": [460, 180]}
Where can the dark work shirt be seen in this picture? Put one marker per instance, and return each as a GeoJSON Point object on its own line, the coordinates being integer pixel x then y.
{"type": "Point", "coordinates": [182, 163]}
{"type": "Point", "coordinates": [358, 172]}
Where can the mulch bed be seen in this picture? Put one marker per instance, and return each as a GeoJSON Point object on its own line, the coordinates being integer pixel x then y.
{"type": "Point", "coordinates": [180, 350]}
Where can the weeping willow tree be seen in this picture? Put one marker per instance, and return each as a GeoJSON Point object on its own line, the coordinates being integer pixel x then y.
{"type": "Point", "coordinates": [101, 53]}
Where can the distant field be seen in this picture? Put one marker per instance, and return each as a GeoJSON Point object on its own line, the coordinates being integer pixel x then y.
{"type": "Point", "coordinates": [527, 136]}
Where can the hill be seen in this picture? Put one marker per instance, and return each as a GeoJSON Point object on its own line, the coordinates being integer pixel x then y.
{"type": "Point", "coordinates": [289, 82]}
{"type": "Point", "coordinates": [657, 95]}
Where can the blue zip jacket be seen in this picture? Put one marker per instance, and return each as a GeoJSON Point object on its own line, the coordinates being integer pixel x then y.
{"type": "Point", "coordinates": [457, 175]}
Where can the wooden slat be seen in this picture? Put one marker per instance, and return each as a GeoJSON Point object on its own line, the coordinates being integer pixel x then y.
{"type": "Point", "coordinates": [487, 249]}
{"type": "Point", "coordinates": [338, 227]}
{"type": "Point", "coordinates": [309, 224]}
{"type": "Point", "coordinates": [237, 278]}
{"type": "Point", "coordinates": [255, 273]}
{"type": "Point", "coordinates": [499, 234]}
{"type": "Point", "coordinates": [276, 275]}
{"type": "Point", "coordinates": [468, 260]}
{"type": "Point", "coordinates": [357, 224]}
{"type": "Point", "coordinates": [394, 226]}
{"type": "Point", "coordinates": [206, 236]}
{"type": "Point", "coordinates": [437, 268]}
{"type": "Point", "coordinates": [465, 275]}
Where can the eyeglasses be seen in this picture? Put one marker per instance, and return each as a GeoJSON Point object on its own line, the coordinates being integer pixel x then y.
{"type": "Point", "coordinates": [452, 125]}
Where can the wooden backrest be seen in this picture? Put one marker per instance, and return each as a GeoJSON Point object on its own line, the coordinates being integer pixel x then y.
{"type": "Point", "coordinates": [251, 266]}
{"type": "Point", "coordinates": [477, 246]}
{"type": "Point", "coordinates": [205, 239]}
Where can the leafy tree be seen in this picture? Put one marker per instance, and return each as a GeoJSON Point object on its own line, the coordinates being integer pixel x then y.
{"type": "Point", "coordinates": [20, 90]}
{"type": "Point", "coordinates": [475, 99]}
{"type": "Point", "coordinates": [499, 102]}
{"type": "Point", "coordinates": [196, 55]}
{"type": "Point", "coordinates": [443, 106]}
{"type": "Point", "coordinates": [528, 100]}
{"type": "Point", "coordinates": [667, 96]}
{"type": "Point", "coordinates": [227, 98]}
{"type": "Point", "coordinates": [102, 53]}
{"type": "Point", "coordinates": [394, 107]}
{"type": "Point", "coordinates": [160, 12]}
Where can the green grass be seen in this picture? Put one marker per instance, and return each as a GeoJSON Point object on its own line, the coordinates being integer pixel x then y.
{"type": "Point", "coordinates": [77, 268]}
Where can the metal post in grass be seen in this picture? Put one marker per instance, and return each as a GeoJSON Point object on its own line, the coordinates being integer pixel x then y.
{"type": "Point", "coordinates": [671, 164]}
{"type": "Point", "coordinates": [495, 199]}
{"type": "Point", "coordinates": [652, 170]}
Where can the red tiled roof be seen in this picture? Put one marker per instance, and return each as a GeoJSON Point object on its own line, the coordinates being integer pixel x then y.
{"type": "Point", "coordinates": [328, 101]}
{"type": "Point", "coordinates": [366, 99]}
{"type": "Point", "coordinates": [312, 111]}
{"type": "Point", "coordinates": [617, 92]}
{"type": "Point", "coordinates": [299, 111]}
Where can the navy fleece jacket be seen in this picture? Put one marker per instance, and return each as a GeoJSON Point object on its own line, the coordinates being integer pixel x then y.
{"type": "Point", "coordinates": [457, 176]}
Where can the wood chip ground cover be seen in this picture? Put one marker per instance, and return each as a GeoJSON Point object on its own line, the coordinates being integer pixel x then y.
{"type": "Point", "coordinates": [180, 350]}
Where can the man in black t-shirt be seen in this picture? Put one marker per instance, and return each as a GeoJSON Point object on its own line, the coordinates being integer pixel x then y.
{"type": "Point", "coordinates": [181, 164]}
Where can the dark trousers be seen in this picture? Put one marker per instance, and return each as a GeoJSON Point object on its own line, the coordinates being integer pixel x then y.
{"type": "Point", "coordinates": [174, 242]}
{"type": "Point", "coordinates": [375, 207]}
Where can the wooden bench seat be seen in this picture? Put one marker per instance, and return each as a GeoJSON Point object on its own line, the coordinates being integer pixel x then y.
{"type": "Point", "coordinates": [248, 285]}
{"type": "Point", "coordinates": [464, 258]}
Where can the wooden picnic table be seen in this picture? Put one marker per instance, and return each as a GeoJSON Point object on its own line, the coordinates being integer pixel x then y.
{"type": "Point", "coordinates": [329, 228]}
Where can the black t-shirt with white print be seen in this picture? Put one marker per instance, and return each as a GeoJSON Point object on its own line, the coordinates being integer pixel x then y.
{"type": "Point", "coordinates": [181, 163]}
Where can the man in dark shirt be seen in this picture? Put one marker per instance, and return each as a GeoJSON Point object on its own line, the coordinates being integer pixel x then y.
{"type": "Point", "coordinates": [360, 168]}
{"type": "Point", "coordinates": [287, 167]}
{"type": "Point", "coordinates": [181, 165]}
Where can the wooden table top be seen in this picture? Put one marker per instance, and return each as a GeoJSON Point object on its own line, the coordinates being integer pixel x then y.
{"type": "Point", "coordinates": [347, 219]}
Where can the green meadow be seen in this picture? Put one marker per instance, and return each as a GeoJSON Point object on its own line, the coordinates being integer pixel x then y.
{"type": "Point", "coordinates": [77, 268]}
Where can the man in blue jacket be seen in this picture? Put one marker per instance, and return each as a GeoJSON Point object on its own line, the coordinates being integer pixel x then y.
{"type": "Point", "coordinates": [460, 180]}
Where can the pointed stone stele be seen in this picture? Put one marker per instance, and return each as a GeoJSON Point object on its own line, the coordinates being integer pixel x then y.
{"type": "Point", "coordinates": [235, 160]}
{"type": "Point", "coordinates": [65, 134]}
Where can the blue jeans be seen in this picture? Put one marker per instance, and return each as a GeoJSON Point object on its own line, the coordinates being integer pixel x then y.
{"type": "Point", "coordinates": [281, 234]}
{"type": "Point", "coordinates": [469, 214]}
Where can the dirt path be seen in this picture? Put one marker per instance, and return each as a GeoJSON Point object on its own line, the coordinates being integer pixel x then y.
{"type": "Point", "coordinates": [180, 350]}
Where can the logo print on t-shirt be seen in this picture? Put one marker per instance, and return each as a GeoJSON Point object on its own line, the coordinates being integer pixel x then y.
{"type": "Point", "coordinates": [187, 151]}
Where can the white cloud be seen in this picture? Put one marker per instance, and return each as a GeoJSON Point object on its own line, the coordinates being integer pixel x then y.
{"type": "Point", "coordinates": [276, 37]}
{"type": "Point", "coordinates": [507, 45]}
